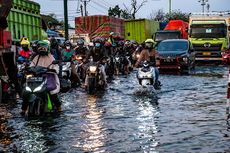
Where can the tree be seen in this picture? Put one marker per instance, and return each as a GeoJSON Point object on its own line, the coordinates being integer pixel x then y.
{"type": "Point", "coordinates": [174, 15]}
{"type": "Point", "coordinates": [158, 15]}
{"type": "Point", "coordinates": [177, 15]}
{"type": "Point", "coordinates": [135, 7]}
{"type": "Point", "coordinates": [116, 11]}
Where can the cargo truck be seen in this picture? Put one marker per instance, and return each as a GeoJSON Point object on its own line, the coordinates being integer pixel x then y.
{"type": "Point", "coordinates": [24, 19]}
{"type": "Point", "coordinates": [99, 26]}
{"type": "Point", "coordinates": [209, 35]}
{"type": "Point", "coordinates": [140, 29]}
{"type": "Point", "coordinates": [8, 71]}
{"type": "Point", "coordinates": [175, 29]}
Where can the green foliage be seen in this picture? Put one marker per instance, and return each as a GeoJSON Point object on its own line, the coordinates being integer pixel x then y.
{"type": "Point", "coordinates": [118, 12]}
{"type": "Point", "coordinates": [174, 15]}
{"type": "Point", "coordinates": [177, 15]}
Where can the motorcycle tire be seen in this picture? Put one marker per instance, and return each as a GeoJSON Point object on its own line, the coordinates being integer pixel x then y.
{"type": "Point", "coordinates": [91, 85]}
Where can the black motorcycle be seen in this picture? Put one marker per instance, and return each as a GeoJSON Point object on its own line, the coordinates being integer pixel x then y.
{"type": "Point", "coordinates": [95, 78]}
{"type": "Point", "coordinates": [35, 91]}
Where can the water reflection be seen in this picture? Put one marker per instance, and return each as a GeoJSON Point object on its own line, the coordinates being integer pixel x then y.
{"type": "Point", "coordinates": [92, 135]}
{"type": "Point", "coordinates": [147, 119]}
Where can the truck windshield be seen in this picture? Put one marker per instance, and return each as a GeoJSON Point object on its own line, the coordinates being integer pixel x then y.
{"type": "Point", "coordinates": [166, 35]}
{"type": "Point", "coordinates": [208, 31]}
{"type": "Point", "coordinates": [172, 46]}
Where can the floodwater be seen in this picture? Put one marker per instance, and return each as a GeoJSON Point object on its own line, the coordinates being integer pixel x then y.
{"type": "Point", "coordinates": [186, 115]}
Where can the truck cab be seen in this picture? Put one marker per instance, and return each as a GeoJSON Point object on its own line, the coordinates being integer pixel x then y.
{"type": "Point", "coordinates": [209, 35]}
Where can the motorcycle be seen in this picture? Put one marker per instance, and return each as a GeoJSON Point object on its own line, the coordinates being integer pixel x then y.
{"type": "Point", "coordinates": [35, 91]}
{"type": "Point", "coordinates": [94, 77]}
{"type": "Point", "coordinates": [119, 64]}
{"type": "Point", "coordinates": [65, 75]}
{"type": "Point", "coordinates": [146, 75]}
{"type": "Point", "coordinates": [110, 67]}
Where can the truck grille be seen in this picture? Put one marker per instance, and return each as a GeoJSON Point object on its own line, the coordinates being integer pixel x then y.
{"type": "Point", "coordinates": [212, 47]}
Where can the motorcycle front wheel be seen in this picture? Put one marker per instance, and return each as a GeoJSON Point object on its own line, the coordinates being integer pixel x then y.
{"type": "Point", "coordinates": [91, 85]}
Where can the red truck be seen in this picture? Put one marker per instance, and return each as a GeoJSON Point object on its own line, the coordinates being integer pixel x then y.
{"type": "Point", "coordinates": [8, 69]}
{"type": "Point", "coordinates": [99, 26]}
{"type": "Point", "coordinates": [175, 29]}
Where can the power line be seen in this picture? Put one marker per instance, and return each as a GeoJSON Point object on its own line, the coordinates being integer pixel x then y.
{"type": "Point", "coordinates": [96, 8]}
{"type": "Point", "coordinates": [102, 6]}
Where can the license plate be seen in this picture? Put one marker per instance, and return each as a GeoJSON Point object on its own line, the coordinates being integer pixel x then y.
{"type": "Point", "coordinates": [168, 60]}
{"type": "Point", "coordinates": [206, 53]}
{"type": "Point", "coordinates": [35, 79]}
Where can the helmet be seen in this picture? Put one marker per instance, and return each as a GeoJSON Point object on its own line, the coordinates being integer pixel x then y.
{"type": "Point", "coordinates": [80, 42]}
{"type": "Point", "coordinates": [97, 42]}
{"type": "Point", "coordinates": [43, 48]}
{"type": "Point", "coordinates": [149, 43]}
{"type": "Point", "coordinates": [68, 44]}
{"type": "Point", "coordinates": [25, 43]}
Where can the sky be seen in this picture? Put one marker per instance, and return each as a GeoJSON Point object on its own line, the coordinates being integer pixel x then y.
{"type": "Point", "coordinates": [100, 7]}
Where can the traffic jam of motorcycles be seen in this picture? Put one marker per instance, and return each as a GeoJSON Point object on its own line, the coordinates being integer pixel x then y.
{"type": "Point", "coordinates": [45, 69]}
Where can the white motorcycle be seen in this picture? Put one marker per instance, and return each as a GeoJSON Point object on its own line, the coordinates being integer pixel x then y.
{"type": "Point", "coordinates": [146, 75]}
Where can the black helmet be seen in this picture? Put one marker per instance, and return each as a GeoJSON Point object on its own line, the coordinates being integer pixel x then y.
{"type": "Point", "coordinates": [80, 42]}
{"type": "Point", "coordinates": [68, 43]}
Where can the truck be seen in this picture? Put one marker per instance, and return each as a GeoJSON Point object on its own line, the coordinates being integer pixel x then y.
{"type": "Point", "coordinates": [99, 26]}
{"type": "Point", "coordinates": [175, 29]}
{"type": "Point", "coordinates": [7, 65]}
{"type": "Point", "coordinates": [140, 29]}
{"type": "Point", "coordinates": [209, 35]}
{"type": "Point", "coordinates": [24, 20]}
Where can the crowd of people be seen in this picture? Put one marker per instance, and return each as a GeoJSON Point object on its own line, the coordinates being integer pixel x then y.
{"type": "Point", "coordinates": [44, 52]}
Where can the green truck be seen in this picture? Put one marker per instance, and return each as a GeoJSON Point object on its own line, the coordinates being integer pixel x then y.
{"type": "Point", "coordinates": [209, 35]}
{"type": "Point", "coordinates": [25, 20]}
{"type": "Point", "coordinates": [140, 29]}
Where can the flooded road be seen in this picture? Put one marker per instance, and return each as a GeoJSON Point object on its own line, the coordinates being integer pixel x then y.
{"type": "Point", "coordinates": [186, 115]}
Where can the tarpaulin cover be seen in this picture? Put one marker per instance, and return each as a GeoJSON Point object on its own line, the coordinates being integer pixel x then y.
{"type": "Point", "coordinates": [99, 25]}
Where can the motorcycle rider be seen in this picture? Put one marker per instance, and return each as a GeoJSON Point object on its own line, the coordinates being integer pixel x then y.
{"type": "Point", "coordinates": [68, 53]}
{"type": "Point", "coordinates": [54, 48]}
{"type": "Point", "coordinates": [83, 51]}
{"type": "Point", "coordinates": [148, 54]}
{"type": "Point", "coordinates": [44, 58]}
{"type": "Point", "coordinates": [25, 52]}
{"type": "Point", "coordinates": [98, 54]}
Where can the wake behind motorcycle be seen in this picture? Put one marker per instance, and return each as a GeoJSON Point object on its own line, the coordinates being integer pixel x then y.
{"type": "Point", "coordinates": [35, 91]}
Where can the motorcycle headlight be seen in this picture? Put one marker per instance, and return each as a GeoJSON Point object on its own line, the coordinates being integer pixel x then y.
{"type": "Point", "coordinates": [78, 58]}
{"type": "Point", "coordinates": [138, 55]}
{"type": "Point", "coordinates": [28, 89]}
{"type": "Point", "coordinates": [93, 69]}
{"type": "Point", "coordinates": [29, 76]}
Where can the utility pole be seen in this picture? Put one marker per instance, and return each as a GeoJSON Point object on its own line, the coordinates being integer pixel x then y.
{"type": "Point", "coordinates": [203, 3]}
{"type": "Point", "coordinates": [85, 3]}
{"type": "Point", "coordinates": [81, 7]}
{"type": "Point", "coordinates": [66, 19]}
{"type": "Point", "coordinates": [170, 6]}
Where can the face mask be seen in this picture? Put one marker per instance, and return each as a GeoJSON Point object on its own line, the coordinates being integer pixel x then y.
{"type": "Point", "coordinates": [25, 48]}
{"type": "Point", "coordinates": [97, 44]}
{"type": "Point", "coordinates": [148, 45]}
{"type": "Point", "coordinates": [68, 47]}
